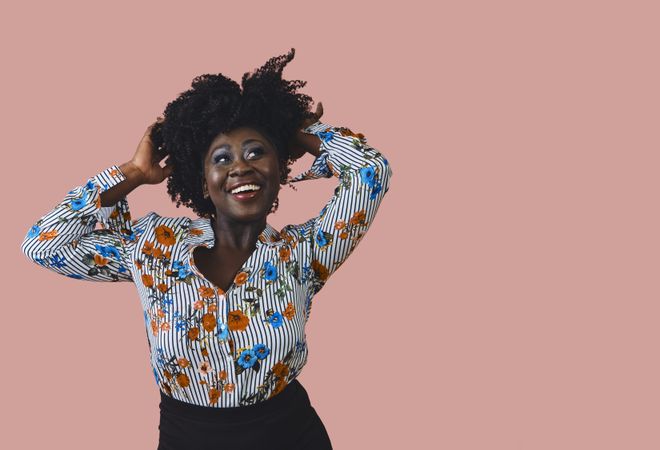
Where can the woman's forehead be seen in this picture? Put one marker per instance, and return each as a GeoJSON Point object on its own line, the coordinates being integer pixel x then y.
{"type": "Point", "coordinates": [238, 135]}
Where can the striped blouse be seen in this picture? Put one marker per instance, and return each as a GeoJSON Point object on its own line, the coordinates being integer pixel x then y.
{"type": "Point", "coordinates": [210, 347]}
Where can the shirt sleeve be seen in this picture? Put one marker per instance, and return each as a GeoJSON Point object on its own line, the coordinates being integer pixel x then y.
{"type": "Point", "coordinates": [363, 175]}
{"type": "Point", "coordinates": [66, 242]}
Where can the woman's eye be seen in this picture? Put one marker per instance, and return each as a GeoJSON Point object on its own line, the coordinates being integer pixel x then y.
{"type": "Point", "coordinates": [216, 159]}
{"type": "Point", "coordinates": [256, 151]}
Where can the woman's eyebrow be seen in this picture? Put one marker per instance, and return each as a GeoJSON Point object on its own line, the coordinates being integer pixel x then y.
{"type": "Point", "coordinates": [245, 142]}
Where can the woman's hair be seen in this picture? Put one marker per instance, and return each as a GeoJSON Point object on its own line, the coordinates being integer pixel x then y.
{"type": "Point", "coordinates": [216, 104]}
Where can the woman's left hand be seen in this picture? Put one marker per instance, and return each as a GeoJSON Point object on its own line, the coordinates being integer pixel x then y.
{"type": "Point", "coordinates": [304, 142]}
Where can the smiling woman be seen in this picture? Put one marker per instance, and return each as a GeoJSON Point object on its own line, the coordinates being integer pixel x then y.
{"type": "Point", "coordinates": [226, 297]}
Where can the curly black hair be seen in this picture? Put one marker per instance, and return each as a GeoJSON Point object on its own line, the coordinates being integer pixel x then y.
{"type": "Point", "coordinates": [215, 104]}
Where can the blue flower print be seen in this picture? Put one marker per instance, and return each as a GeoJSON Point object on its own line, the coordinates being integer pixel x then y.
{"type": "Point", "coordinates": [108, 250]}
{"type": "Point", "coordinates": [261, 350]}
{"type": "Point", "coordinates": [57, 261]}
{"type": "Point", "coordinates": [270, 271]}
{"type": "Point", "coordinates": [223, 331]}
{"type": "Point", "coordinates": [321, 241]}
{"type": "Point", "coordinates": [325, 136]}
{"type": "Point", "coordinates": [156, 374]}
{"type": "Point", "coordinates": [75, 275]}
{"type": "Point", "coordinates": [34, 231]}
{"type": "Point", "coordinates": [247, 358]}
{"type": "Point", "coordinates": [368, 175]}
{"type": "Point", "coordinates": [275, 320]}
{"type": "Point", "coordinates": [375, 191]}
{"type": "Point", "coordinates": [183, 269]}
{"type": "Point", "coordinates": [79, 203]}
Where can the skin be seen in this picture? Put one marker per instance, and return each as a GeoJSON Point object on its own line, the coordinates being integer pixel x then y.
{"type": "Point", "coordinates": [246, 155]}
{"type": "Point", "coordinates": [239, 223]}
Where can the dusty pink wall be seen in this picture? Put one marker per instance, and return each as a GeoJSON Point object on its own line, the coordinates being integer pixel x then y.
{"type": "Point", "coordinates": [512, 296]}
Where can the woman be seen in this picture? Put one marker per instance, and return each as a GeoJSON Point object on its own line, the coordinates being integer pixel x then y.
{"type": "Point", "coordinates": [225, 296]}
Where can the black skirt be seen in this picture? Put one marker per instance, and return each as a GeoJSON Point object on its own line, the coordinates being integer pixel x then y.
{"type": "Point", "coordinates": [285, 421]}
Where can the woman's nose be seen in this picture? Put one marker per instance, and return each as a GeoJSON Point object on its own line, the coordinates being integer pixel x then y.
{"type": "Point", "coordinates": [240, 167]}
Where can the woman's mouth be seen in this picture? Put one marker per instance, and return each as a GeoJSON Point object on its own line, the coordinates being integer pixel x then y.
{"type": "Point", "coordinates": [246, 192]}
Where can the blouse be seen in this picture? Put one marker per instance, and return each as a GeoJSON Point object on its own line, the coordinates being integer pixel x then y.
{"type": "Point", "coordinates": [209, 347]}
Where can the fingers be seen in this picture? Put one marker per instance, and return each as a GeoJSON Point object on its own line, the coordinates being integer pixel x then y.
{"type": "Point", "coordinates": [169, 167]}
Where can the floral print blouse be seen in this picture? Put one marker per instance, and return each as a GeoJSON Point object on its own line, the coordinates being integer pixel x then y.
{"type": "Point", "coordinates": [209, 347]}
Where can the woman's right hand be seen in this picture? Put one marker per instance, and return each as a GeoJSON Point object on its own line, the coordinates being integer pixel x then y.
{"type": "Point", "coordinates": [147, 159]}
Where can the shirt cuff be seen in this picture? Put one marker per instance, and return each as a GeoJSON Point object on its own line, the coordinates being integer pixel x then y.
{"type": "Point", "coordinates": [319, 167]}
{"type": "Point", "coordinates": [105, 180]}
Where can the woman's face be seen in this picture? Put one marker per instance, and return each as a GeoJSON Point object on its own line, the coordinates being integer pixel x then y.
{"type": "Point", "coordinates": [242, 156]}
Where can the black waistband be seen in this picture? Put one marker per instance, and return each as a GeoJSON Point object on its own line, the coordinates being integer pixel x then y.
{"type": "Point", "coordinates": [293, 395]}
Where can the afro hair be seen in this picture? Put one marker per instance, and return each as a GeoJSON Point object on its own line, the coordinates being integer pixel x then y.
{"type": "Point", "coordinates": [216, 104]}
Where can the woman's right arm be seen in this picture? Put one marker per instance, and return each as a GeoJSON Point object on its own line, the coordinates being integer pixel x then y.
{"type": "Point", "coordinates": [65, 240]}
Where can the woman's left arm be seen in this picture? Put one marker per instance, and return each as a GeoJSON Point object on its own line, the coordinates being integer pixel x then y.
{"type": "Point", "coordinates": [363, 175]}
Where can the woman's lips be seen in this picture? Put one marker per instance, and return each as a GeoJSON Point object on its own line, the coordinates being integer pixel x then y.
{"type": "Point", "coordinates": [244, 196]}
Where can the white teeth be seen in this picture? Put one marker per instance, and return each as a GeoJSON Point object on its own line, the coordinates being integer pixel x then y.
{"type": "Point", "coordinates": [246, 187]}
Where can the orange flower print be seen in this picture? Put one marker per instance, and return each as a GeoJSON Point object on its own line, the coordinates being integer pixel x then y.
{"type": "Point", "coordinates": [240, 278]}
{"type": "Point", "coordinates": [340, 225]}
{"type": "Point", "coordinates": [208, 322]}
{"type": "Point", "coordinates": [161, 313]}
{"type": "Point", "coordinates": [279, 387]}
{"type": "Point", "coordinates": [147, 280]}
{"type": "Point", "coordinates": [205, 368]}
{"type": "Point", "coordinates": [162, 287]}
{"type": "Point", "coordinates": [359, 218]}
{"type": "Point", "coordinates": [222, 375]}
{"type": "Point", "coordinates": [198, 305]}
{"type": "Point", "coordinates": [290, 311]}
{"type": "Point", "coordinates": [165, 235]}
{"type": "Point", "coordinates": [221, 291]}
{"type": "Point", "coordinates": [229, 387]}
{"type": "Point", "coordinates": [213, 307]}
{"type": "Point", "coordinates": [182, 380]}
{"type": "Point", "coordinates": [237, 321]}
{"type": "Point", "coordinates": [167, 374]}
{"type": "Point", "coordinates": [114, 172]}
{"type": "Point", "coordinates": [100, 260]}
{"type": "Point", "coordinates": [126, 216]}
{"type": "Point", "coordinates": [205, 353]}
{"type": "Point", "coordinates": [195, 232]}
{"type": "Point", "coordinates": [343, 235]}
{"type": "Point", "coordinates": [47, 235]}
{"type": "Point", "coordinates": [193, 333]}
{"type": "Point", "coordinates": [280, 369]}
{"type": "Point", "coordinates": [147, 248]}
{"type": "Point", "coordinates": [183, 362]}
{"type": "Point", "coordinates": [168, 389]}
{"type": "Point", "coordinates": [138, 264]}
{"type": "Point", "coordinates": [285, 252]}
{"type": "Point", "coordinates": [154, 327]}
{"type": "Point", "coordinates": [214, 395]}
{"type": "Point", "coordinates": [320, 270]}
{"type": "Point", "coordinates": [206, 292]}
{"type": "Point", "coordinates": [165, 326]}
{"type": "Point", "coordinates": [157, 253]}
{"type": "Point", "coordinates": [114, 214]}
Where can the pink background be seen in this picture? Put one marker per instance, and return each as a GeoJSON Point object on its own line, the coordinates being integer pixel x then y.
{"type": "Point", "coordinates": [511, 294]}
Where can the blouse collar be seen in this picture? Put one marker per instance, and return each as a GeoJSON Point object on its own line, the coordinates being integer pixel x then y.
{"type": "Point", "coordinates": [200, 232]}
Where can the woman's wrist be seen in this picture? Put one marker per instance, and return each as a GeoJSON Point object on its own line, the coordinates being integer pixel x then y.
{"type": "Point", "coordinates": [310, 142]}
